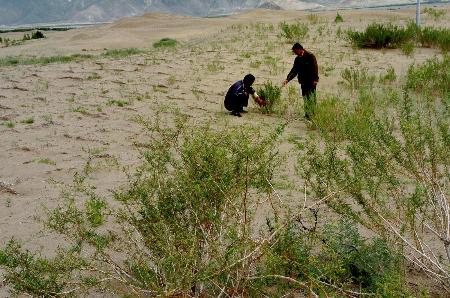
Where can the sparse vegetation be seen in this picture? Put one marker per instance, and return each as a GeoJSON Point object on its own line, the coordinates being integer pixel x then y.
{"type": "Point", "coordinates": [47, 161]}
{"type": "Point", "coordinates": [118, 102]}
{"type": "Point", "coordinates": [436, 14]}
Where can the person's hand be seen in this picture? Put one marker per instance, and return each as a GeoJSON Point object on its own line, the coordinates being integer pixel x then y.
{"type": "Point", "coordinates": [260, 101]}
{"type": "Point", "coordinates": [285, 82]}
{"type": "Point", "coordinates": [315, 83]}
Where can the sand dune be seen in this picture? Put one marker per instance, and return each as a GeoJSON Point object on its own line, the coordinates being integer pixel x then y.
{"type": "Point", "coordinates": [74, 105]}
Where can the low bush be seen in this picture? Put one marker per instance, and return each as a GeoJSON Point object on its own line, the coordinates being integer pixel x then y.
{"type": "Point", "coordinates": [435, 37]}
{"type": "Point", "coordinates": [379, 36]}
{"type": "Point", "coordinates": [37, 35]}
{"type": "Point", "coordinates": [293, 32]}
{"type": "Point", "coordinates": [165, 43]}
{"type": "Point", "coordinates": [356, 78]}
{"type": "Point", "coordinates": [431, 77]}
{"type": "Point", "coordinates": [272, 96]}
{"type": "Point", "coordinates": [338, 18]}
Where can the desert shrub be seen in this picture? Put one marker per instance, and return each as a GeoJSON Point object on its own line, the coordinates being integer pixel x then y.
{"type": "Point", "coordinates": [272, 95]}
{"type": "Point", "coordinates": [293, 32]}
{"type": "Point", "coordinates": [165, 43]}
{"type": "Point", "coordinates": [435, 37]}
{"type": "Point", "coordinates": [381, 36]}
{"type": "Point", "coordinates": [26, 37]}
{"type": "Point", "coordinates": [338, 18]}
{"type": "Point", "coordinates": [408, 48]}
{"type": "Point", "coordinates": [356, 78]}
{"type": "Point", "coordinates": [185, 222]}
{"type": "Point", "coordinates": [274, 64]}
{"type": "Point", "coordinates": [37, 35]}
{"type": "Point", "coordinates": [36, 275]}
{"type": "Point", "coordinates": [118, 53]}
{"type": "Point", "coordinates": [389, 77]}
{"type": "Point", "coordinates": [338, 260]}
{"type": "Point", "coordinates": [431, 77]}
{"type": "Point", "coordinates": [387, 168]}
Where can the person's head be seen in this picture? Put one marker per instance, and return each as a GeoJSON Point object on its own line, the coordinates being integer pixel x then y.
{"type": "Point", "coordinates": [249, 79]}
{"type": "Point", "coordinates": [297, 49]}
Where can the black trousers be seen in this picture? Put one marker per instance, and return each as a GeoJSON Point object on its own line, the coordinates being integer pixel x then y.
{"type": "Point", "coordinates": [236, 104]}
{"type": "Point", "coordinates": [309, 98]}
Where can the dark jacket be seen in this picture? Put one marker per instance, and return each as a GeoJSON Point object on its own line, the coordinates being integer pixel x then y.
{"type": "Point", "coordinates": [236, 97]}
{"type": "Point", "coordinates": [305, 67]}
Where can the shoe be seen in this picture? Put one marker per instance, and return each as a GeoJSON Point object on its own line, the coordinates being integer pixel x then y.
{"type": "Point", "coordinates": [236, 113]}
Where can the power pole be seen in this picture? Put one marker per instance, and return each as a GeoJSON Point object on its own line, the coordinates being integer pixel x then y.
{"type": "Point", "coordinates": [418, 13]}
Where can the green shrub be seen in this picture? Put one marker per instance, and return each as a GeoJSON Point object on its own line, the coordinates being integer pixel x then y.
{"type": "Point", "coordinates": [9, 124]}
{"type": "Point", "coordinates": [165, 43]}
{"type": "Point", "coordinates": [381, 36]}
{"type": "Point", "coordinates": [37, 35]}
{"type": "Point", "coordinates": [118, 53]}
{"type": "Point", "coordinates": [36, 275]}
{"type": "Point", "coordinates": [356, 78]}
{"type": "Point", "coordinates": [336, 260]}
{"type": "Point", "coordinates": [381, 166]}
{"type": "Point", "coordinates": [185, 221]}
{"type": "Point", "coordinates": [339, 18]}
{"type": "Point", "coordinates": [431, 77]}
{"type": "Point", "coordinates": [435, 37]}
{"type": "Point", "coordinates": [407, 48]}
{"type": "Point", "coordinates": [293, 32]}
{"type": "Point", "coordinates": [272, 96]}
{"type": "Point", "coordinates": [389, 77]}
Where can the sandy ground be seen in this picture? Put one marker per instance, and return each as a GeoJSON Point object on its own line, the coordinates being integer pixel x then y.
{"type": "Point", "coordinates": [74, 108]}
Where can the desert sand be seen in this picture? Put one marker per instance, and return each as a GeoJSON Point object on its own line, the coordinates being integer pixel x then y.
{"type": "Point", "coordinates": [86, 110]}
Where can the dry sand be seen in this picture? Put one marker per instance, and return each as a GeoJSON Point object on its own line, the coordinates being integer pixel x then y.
{"type": "Point", "coordinates": [73, 108]}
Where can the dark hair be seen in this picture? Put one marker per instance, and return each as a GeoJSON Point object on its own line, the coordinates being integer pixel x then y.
{"type": "Point", "coordinates": [297, 46]}
{"type": "Point", "coordinates": [249, 79]}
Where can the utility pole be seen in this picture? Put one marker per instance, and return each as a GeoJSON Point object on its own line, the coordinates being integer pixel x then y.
{"type": "Point", "coordinates": [418, 13]}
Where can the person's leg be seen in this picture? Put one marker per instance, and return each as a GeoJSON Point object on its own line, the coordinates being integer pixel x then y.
{"type": "Point", "coordinates": [233, 105]}
{"type": "Point", "coordinates": [309, 97]}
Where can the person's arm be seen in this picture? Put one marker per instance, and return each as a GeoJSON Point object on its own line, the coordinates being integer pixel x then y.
{"type": "Point", "coordinates": [292, 74]}
{"type": "Point", "coordinates": [261, 102]}
{"type": "Point", "coordinates": [240, 91]}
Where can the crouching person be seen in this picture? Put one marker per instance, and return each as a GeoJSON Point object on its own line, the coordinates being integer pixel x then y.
{"type": "Point", "coordinates": [238, 94]}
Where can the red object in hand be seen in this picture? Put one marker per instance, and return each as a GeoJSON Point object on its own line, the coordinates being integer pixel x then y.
{"type": "Point", "coordinates": [261, 101]}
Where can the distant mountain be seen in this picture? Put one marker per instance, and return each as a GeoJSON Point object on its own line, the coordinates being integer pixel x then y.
{"type": "Point", "coordinates": [19, 12]}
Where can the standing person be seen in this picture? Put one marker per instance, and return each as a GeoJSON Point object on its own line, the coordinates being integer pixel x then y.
{"type": "Point", "coordinates": [305, 67]}
{"type": "Point", "coordinates": [237, 96]}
